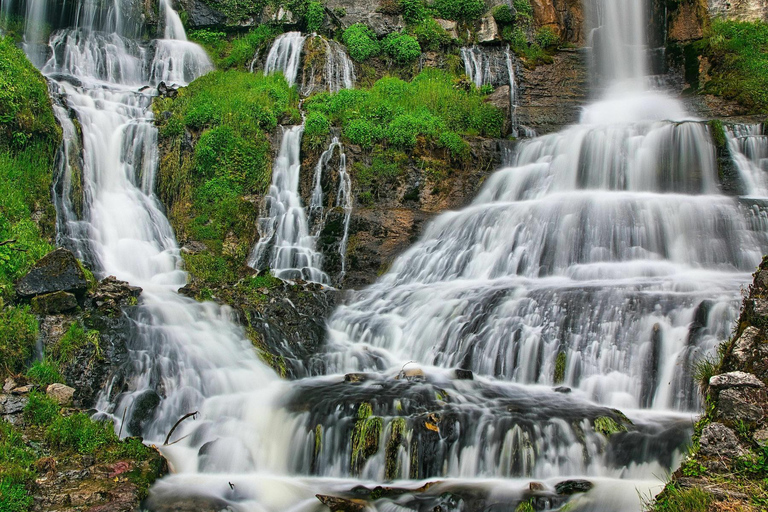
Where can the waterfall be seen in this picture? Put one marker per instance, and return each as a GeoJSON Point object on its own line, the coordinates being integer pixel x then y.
{"type": "Point", "coordinates": [285, 244]}
{"type": "Point", "coordinates": [326, 67]}
{"type": "Point", "coordinates": [748, 145]}
{"type": "Point", "coordinates": [492, 68]}
{"type": "Point", "coordinates": [344, 200]}
{"type": "Point", "coordinates": [285, 56]}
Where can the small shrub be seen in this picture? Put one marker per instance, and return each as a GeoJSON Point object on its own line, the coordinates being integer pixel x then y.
{"type": "Point", "coordinates": [402, 47]}
{"type": "Point", "coordinates": [314, 16]}
{"type": "Point", "coordinates": [546, 37]}
{"type": "Point", "coordinates": [524, 12]}
{"type": "Point", "coordinates": [413, 10]}
{"type": "Point", "coordinates": [40, 409]}
{"type": "Point", "coordinates": [44, 372]}
{"type": "Point", "coordinates": [430, 35]}
{"type": "Point", "coordinates": [460, 10]}
{"type": "Point", "coordinates": [317, 128]}
{"type": "Point", "coordinates": [362, 132]}
{"type": "Point", "coordinates": [503, 14]}
{"type": "Point", "coordinates": [402, 131]}
{"type": "Point", "coordinates": [207, 37]}
{"type": "Point", "coordinates": [361, 42]}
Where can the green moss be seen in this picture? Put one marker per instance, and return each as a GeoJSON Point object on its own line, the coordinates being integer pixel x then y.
{"type": "Point", "coordinates": [503, 14]}
{"type": "Point", "coordinates": [396, 439]}
{"type": "Point", "coordinates": [717, 130]}
{"type": "Point", "coordinates": [365, 437]}
{"type": "Point", "coordinates": [317, 129]}
{"type": "Point", "coordinates": [238, 11]}
{"type": "Point", "coordinates": [738, 53]}
{"type": "Point", "coordinates": [234, 51]}
{"type": "Point", "coordinates": [459, 10]}
{"type": "Point", "coordinates": [607, 426]}
{"type": "Point", "coordinates": [525, 506]}
{"type": "Point", "coordinates": [560, 366]}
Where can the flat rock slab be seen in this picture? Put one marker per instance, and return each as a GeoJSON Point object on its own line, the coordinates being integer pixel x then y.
{"type": "Point", "coordinates": [56, 271]}
{"type": "Point", "coordinates": [54, 303]}
{"type": "Point", "coordinates": [735, 380]}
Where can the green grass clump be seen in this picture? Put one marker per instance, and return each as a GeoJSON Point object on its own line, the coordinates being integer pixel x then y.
{"type": "Point", "coordinates": [361, 42]}
{"type": "Point", "coordinates": [16, 470]}
{"type": "Point", "coordinates": [738, 52]}
{"type": "Point", "coordinates": [675, 499]}
{"type": "Point", "coordinates": [314, 16]}
{"type": "Point", "coordinates": [40, 409]}
{"type": "Point", "coordinates": [234, 51]}
{"type": "Point", "coordinates": [560, 367]}
{"type": "Point", "coordinates": [398, 113]}
{"type": "Point", "coordinates": [608, 426]}
{"type": "Point", "coordinates": [79, 433]}
{"type": "Point", "coordinates": [430, 35]}
{"type": "Point", "coordinates": [44, 373]}
{"type": "Point", "coordinates": [401, 47]}
{"type": "Point", "coordinates": [75, 339]}
{"type": "Point", "coordinates": [503, 14]}
{"type": "Point", "coordinates": [18, 333]}
{"type": "Point", "coordinates": [317, 128]}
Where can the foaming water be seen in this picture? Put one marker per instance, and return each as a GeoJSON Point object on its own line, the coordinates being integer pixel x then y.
{"type": "Point", "coordinates": [748, 145]}
{"type": "Point", "coordinates": [285, 56]}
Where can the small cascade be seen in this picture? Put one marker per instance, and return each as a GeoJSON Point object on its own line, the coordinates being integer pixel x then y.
{"type": "Point", "coordinates": [495, 68]}
{"type": "Point", "coordinates": [326, 67]}
{"type": "Point", "coordinates": [748, 145]}
{"type": "Point", "coordinates": [285, 244]}
{"type": "Point", "coordinates": [316, 204]}
{"type": "Point", "coordinates": [285, 56]}
{"type": "Point", "coordinates": [344, 200]}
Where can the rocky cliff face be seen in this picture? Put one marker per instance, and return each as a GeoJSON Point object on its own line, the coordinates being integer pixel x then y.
{"type": "Point", "coordinates": [741, 10]}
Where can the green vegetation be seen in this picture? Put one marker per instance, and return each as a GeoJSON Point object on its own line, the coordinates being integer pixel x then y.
{"type": "Point", "coordinates": [314, 16]}
{"type": "Point", "coordinates": [738, 53]}
{"type": "Point", "coordinates": [608, 426]}
{"type": "Point", "coordinates": [503, 14]}
{"type": "Point", "coordinates": [460, 10]}
{"type": "Point", "coordinates": [229, 115]}
{"type": "Point", "coordinates": [398, 113]}
{"type": "Point", "coordinates": [18, 332]}
{"type": "Point", "coordinates": [361, 42]}
{"type": "Point", "coordinates": [365, 437]}
{"type": "Point", "coordinates": [430, 35]}
{"type": "Point", "coordinates": [401, 47]}
{"type": "Point", "coordinates": [316, 130]}
{"type": "Point", "coordinates": [525, 506]}
{"type": "Point", "coordinates": [234, 51]}
{"type": "Point", "coordinates": [44, 372]}
{"type": "Point", "coordinates": [17, 463]}
{"type": "Point", "coordinates": [675, 499]}
{"type": "Point", "coordinates": [560, 366]}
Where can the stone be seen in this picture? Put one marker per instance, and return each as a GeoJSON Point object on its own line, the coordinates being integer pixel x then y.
{"type": "Point", "coordinates": [739, 10]}
{"type": "Point", "coordinates": [717, 440]}
{"type": "Point", "coordinates": [685, 24]}
{"type": "Point", "coordinates": [142, 410]}
{"type": "Point", "coordinates": [54, 303]}
{"type": "Point", "coordinates": [167, 91]}
{"type": "Point", "coordinates": [22, 390]}
{"type": "Point", "coordinates": [337, 504]}
{"type": "Point", "coordinates": [761, 437]}
{"type": "Point", "coordinates": [9, 385]}
{"type": "Point", "coordinates": [563, 389]}
{"type": "Point", "coordinates": [460, 374]}
{"type": "Point", "coordinates": [739, 405]}
{"type": "Point", "coordinates": [488, 31]}
{"type": "Point", "coordinates": [735, 380]}
{"type": "Point", "coordinates": [537, 486]}
{"type": "Point", "coordinates": [199, 14]}
{"type": "Point", "coordinates": [761, 279]}
{"type": "Point", "coordinates": [62, 393]}
{"type": "Point", "coordinates": [356, 377]}
{"type": "Point", "coordinates": [416, 374]}
{"type": "Point", "coordinates": [12, 404]}
{"type": "Point", "coordinates": [194, 247]}
{"type": "Point", "coordinates": [500, 98]}
{"type": "Point", "coordinates": [449, 26]}
{"type": "Point", "coordinates": [569, 487]}
{"type": "Point", "coordinates": [744, 346]}
{"type": "Point", "coordinates": [111, 294]}
{"type": "Point", "coordinates": [56, 271]}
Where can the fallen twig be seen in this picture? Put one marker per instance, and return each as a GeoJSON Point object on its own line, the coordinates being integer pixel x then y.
{"type": "Point", "coordinates": [168, 437]}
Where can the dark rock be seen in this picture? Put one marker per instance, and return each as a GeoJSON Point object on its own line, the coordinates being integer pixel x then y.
{"type": "Point", "coordinates": [563, 389]}
{"type": "Point", "coordinates": [167, 91]}
{"type": "Point", "coordinates": [200, 14]}
{"type": "Point", "coordinates": [735, 380]}
{"type": "Point", "coordinates": [54, 303]}
{"type": "Point", "coordinates": [569, 487]}
{"type": "Point", "coordinates": [56, 271]}
{"type": "Point", "coordinates": [194, 247]}
{"type": "Point", "coordinates": [460, 374]}
{"type": "Point", "coordinates": [112, 294]}
{"type": "Point", "coordinates": [12, 404]}
{"type": "Point", "coordinates": [337, 504]}
{"type": "Point", "coordinates": [717, 441]}
{"type": "Point", "coordinates": [142, 410]}
{"type": "Point", "coordinates": [356, 377]}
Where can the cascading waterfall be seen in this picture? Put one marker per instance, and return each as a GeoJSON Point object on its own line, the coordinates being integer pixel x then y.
{"type": "Point", "coordinates": [285, 244]}
{"type": "Point", "coordinates": [285, 56]}
{"type": "Point", "coordinates": [748, 145]}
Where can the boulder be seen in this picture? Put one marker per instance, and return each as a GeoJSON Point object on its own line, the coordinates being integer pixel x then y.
{"type": "Point", "coordinates": [9, 384]}
{"type": "Point", "coordinates": [745, 345]}
{"type": "Point", "coordinates": [488, 31]}
{"type": "Point", "coordinates": [449, 26]}
{"type": "Point", "coordinates": [61, 393]}
{"type": "Point", "coordinates": [500, 98]}
{"type": "Point", "coordinates": [111, 294]}
{"type": "Point", "coordinates": [142, 410]}
{"type": "Point", "coordinates": [717, 440]}
{"type": "Point", "coordinates": [736, 405]}
{"type": "Point", "coordinates": [569, 487]}
{"type": "Point", "coordinates": [56, 271]}
{"type": "Point", "coordinates": [337, 504]}
{"type": "Point", "coordinates": [460, 374]}
{"type": "Point", "coordinates": [199, 14]}
{"type": "Point", "coordinates": [740, 10]}
{"type": "Point", "coordinates": [54, 303]}
{"type": "Point", "coordinates": [735, 380]}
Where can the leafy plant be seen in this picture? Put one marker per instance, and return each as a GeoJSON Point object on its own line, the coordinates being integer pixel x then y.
{"type": "Point", "coordinates": [361, 42]}
{"type": "Point", "coordinates": [314, 16]}
{"type": "Point", "coordinates": [316, 130]}
{"type": "Point", "coordinates": [413, 10]}
{"type": "Point", "coordinates": [430, 35]}
{"type": "Point", "coordinates": [18, 332]}
{"type": "Point", "coordinates": [460, 10]}
{"type": "Point", "coordinates": [546, 37]}
{"type": "Point", "coordinates": [401, 47]}
{"type": "Point", "coordinates": [503, 14]}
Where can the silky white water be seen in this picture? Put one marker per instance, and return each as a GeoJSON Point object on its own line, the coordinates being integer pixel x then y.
{"type": "Point", "coordinates": [285, 56]}
{"type": "Point", "coordinates": [749, 149]}
{"type": "Point", "coordinates": [608, 243]}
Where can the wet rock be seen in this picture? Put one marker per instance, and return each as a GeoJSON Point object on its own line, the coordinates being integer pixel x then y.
{"type": "Point", "coordinates": [412, 374]}
{"type": "Point", "coordinates": [460, 374]}
{"type": "Point", "coordinates": [54, 303]}
{"type": "Point", "coordinates": [717, 440]}
{"type": "Point", "coordinates": [537, 486]}
{"type": "Point", "coordinates": [112, 294]}
{"type": "Point", "coordinates": [62, 393]}
{"type": "Point", "coordinates": [735, 380]}
{"type": "Point", "coordinates": [487, 31]}
{"type": "Point", "coordinates": [686, 23]}
{"type": "Point", "coordinates": [356, 377]}
{"type": "Point", "coordinates": [337, 504]}
{"type": "Point", "coordinates": [200, 14]}
{"type": "Point", "coordinates": [194, 247]}
{"type": "Point", "coordinates": [56, 271]}
{"type": "Point", "coordinates": [166, 91]}
{"type": "Point", "coordinates": [563, 389]}
{"type": "Point", "coordinates": [142, 410]}
{"type": "Point", "coordinates": [736, 405]}
{"type": "Point", "coordinates": [500, 98]}
{"type": "Point", "coordinates": [569, 487]}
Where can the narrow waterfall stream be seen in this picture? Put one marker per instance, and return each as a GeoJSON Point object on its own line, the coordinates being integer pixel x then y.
{"type": "Point", "coordinates": [748, 145]}
{"type": "Point", "coordinates": [483, 369]}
